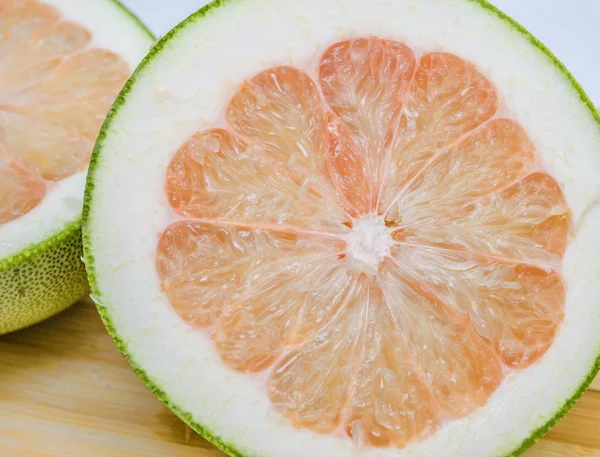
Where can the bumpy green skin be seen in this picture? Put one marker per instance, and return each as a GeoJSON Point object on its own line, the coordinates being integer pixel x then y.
{"type": "Point", "coordinates": [42, 281]}
{"type": "Point", "coordinates": [46, 278]}
{"type": "Point", "coordinates": [89, 258]}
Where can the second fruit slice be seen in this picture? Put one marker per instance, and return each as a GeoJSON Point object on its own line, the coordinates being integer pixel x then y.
{"type": "Point", "coordinates": [62, 64]}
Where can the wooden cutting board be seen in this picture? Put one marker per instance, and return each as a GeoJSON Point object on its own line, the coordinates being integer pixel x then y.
{"type": "Point", "coordinates": [65, 391]}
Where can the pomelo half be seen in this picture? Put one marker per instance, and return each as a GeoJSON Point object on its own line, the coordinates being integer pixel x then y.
{"type": "Point", "coordinates": [62, 64]}
{"type": "Point", "coordinates": [330, 228]}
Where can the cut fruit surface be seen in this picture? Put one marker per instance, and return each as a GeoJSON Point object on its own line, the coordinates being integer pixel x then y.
{"type": "Point", "coordinates": [49, 120]}
{"type": "Point", "coordinates": [60, 72]}
{"type": "Point", "coordinates": [449, 276]}
{"type": "Point", "coordinates": [370, 248]}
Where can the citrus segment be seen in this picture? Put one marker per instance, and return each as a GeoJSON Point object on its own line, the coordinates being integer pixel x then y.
{"type": "Point", "coordinates": [528, 222]}
{"type": "Point", "coordinates": [80, 91]}
{"type": "Point", "coordinates": [281, 110]}
{"type": "Point", "coordinates": [24, 21]}
{"type": "Point", "coordinates": [348, 168]}
{"type": "Point", "coordinates": [379, 244]}
{"type": "Point", "coordinates": [36, 56]}
{"type": "Point", "coordinates": [67, 109]}
{"type": "Point", "coordinates": [284, 309]}
{"type": "Point", "coordinates": [460, 368]}
{"type": "Point", "coordinates": [309, 385]}
{"type": "Point", "coordinates": [365, 82]}
{"type": "Point", "coordinates": [497, 153]}
{"type": "Point", "coordinates": [381, 413]}
{"type": "Point", "coordinates": [218, 175]}
{"type": "Point", "coordinates": [517, 308]}
{"type": "Point", "coordinates": [31, 150]}
{"type": "Point", "coordinates": [209, 270]}
{"type": "Point", "coordinates": [19, 188]}
{"type": "Point", "coordinates": [448, 98]}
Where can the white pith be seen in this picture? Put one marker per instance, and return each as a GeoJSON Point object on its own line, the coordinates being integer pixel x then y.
{"type": "Point", "coordinates": [111, 29]}
{"type": "Point", "coordinates": [185, 89]}
{"type": "Point", "coordinates": [369, 243]}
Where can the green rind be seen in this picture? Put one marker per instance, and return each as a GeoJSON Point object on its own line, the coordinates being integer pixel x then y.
{"type": "Point", "coordinates": [89, 257]}
{"type": "Point", "coordinates": [28, 294]}
{"type": "Point", "coordinates": [157, 391]}
{"type": "Point", "coordinates": [42, 281]}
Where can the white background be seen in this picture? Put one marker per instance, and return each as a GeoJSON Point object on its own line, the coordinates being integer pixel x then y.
{"type": "Point", "coordinates": [568, 28]}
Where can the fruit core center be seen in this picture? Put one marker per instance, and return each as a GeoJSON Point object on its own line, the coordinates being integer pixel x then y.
{"type": "Point", "coordinates": [369, 243]}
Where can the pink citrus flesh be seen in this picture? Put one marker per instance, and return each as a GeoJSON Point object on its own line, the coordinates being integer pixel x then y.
{"type": "Point", "coordinates": [55, 91]}
{"type": "Point", "coordinates": [377, 243]}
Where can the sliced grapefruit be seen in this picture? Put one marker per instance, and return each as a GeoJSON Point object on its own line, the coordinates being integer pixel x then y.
{"type": "Point", "coordinates": [62, 64]}
{"type": "Point", "coordinates": [369, 229]}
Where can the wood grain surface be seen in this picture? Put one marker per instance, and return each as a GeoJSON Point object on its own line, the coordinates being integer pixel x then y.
{"type": "Point", "coordinates": [65, 391]}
